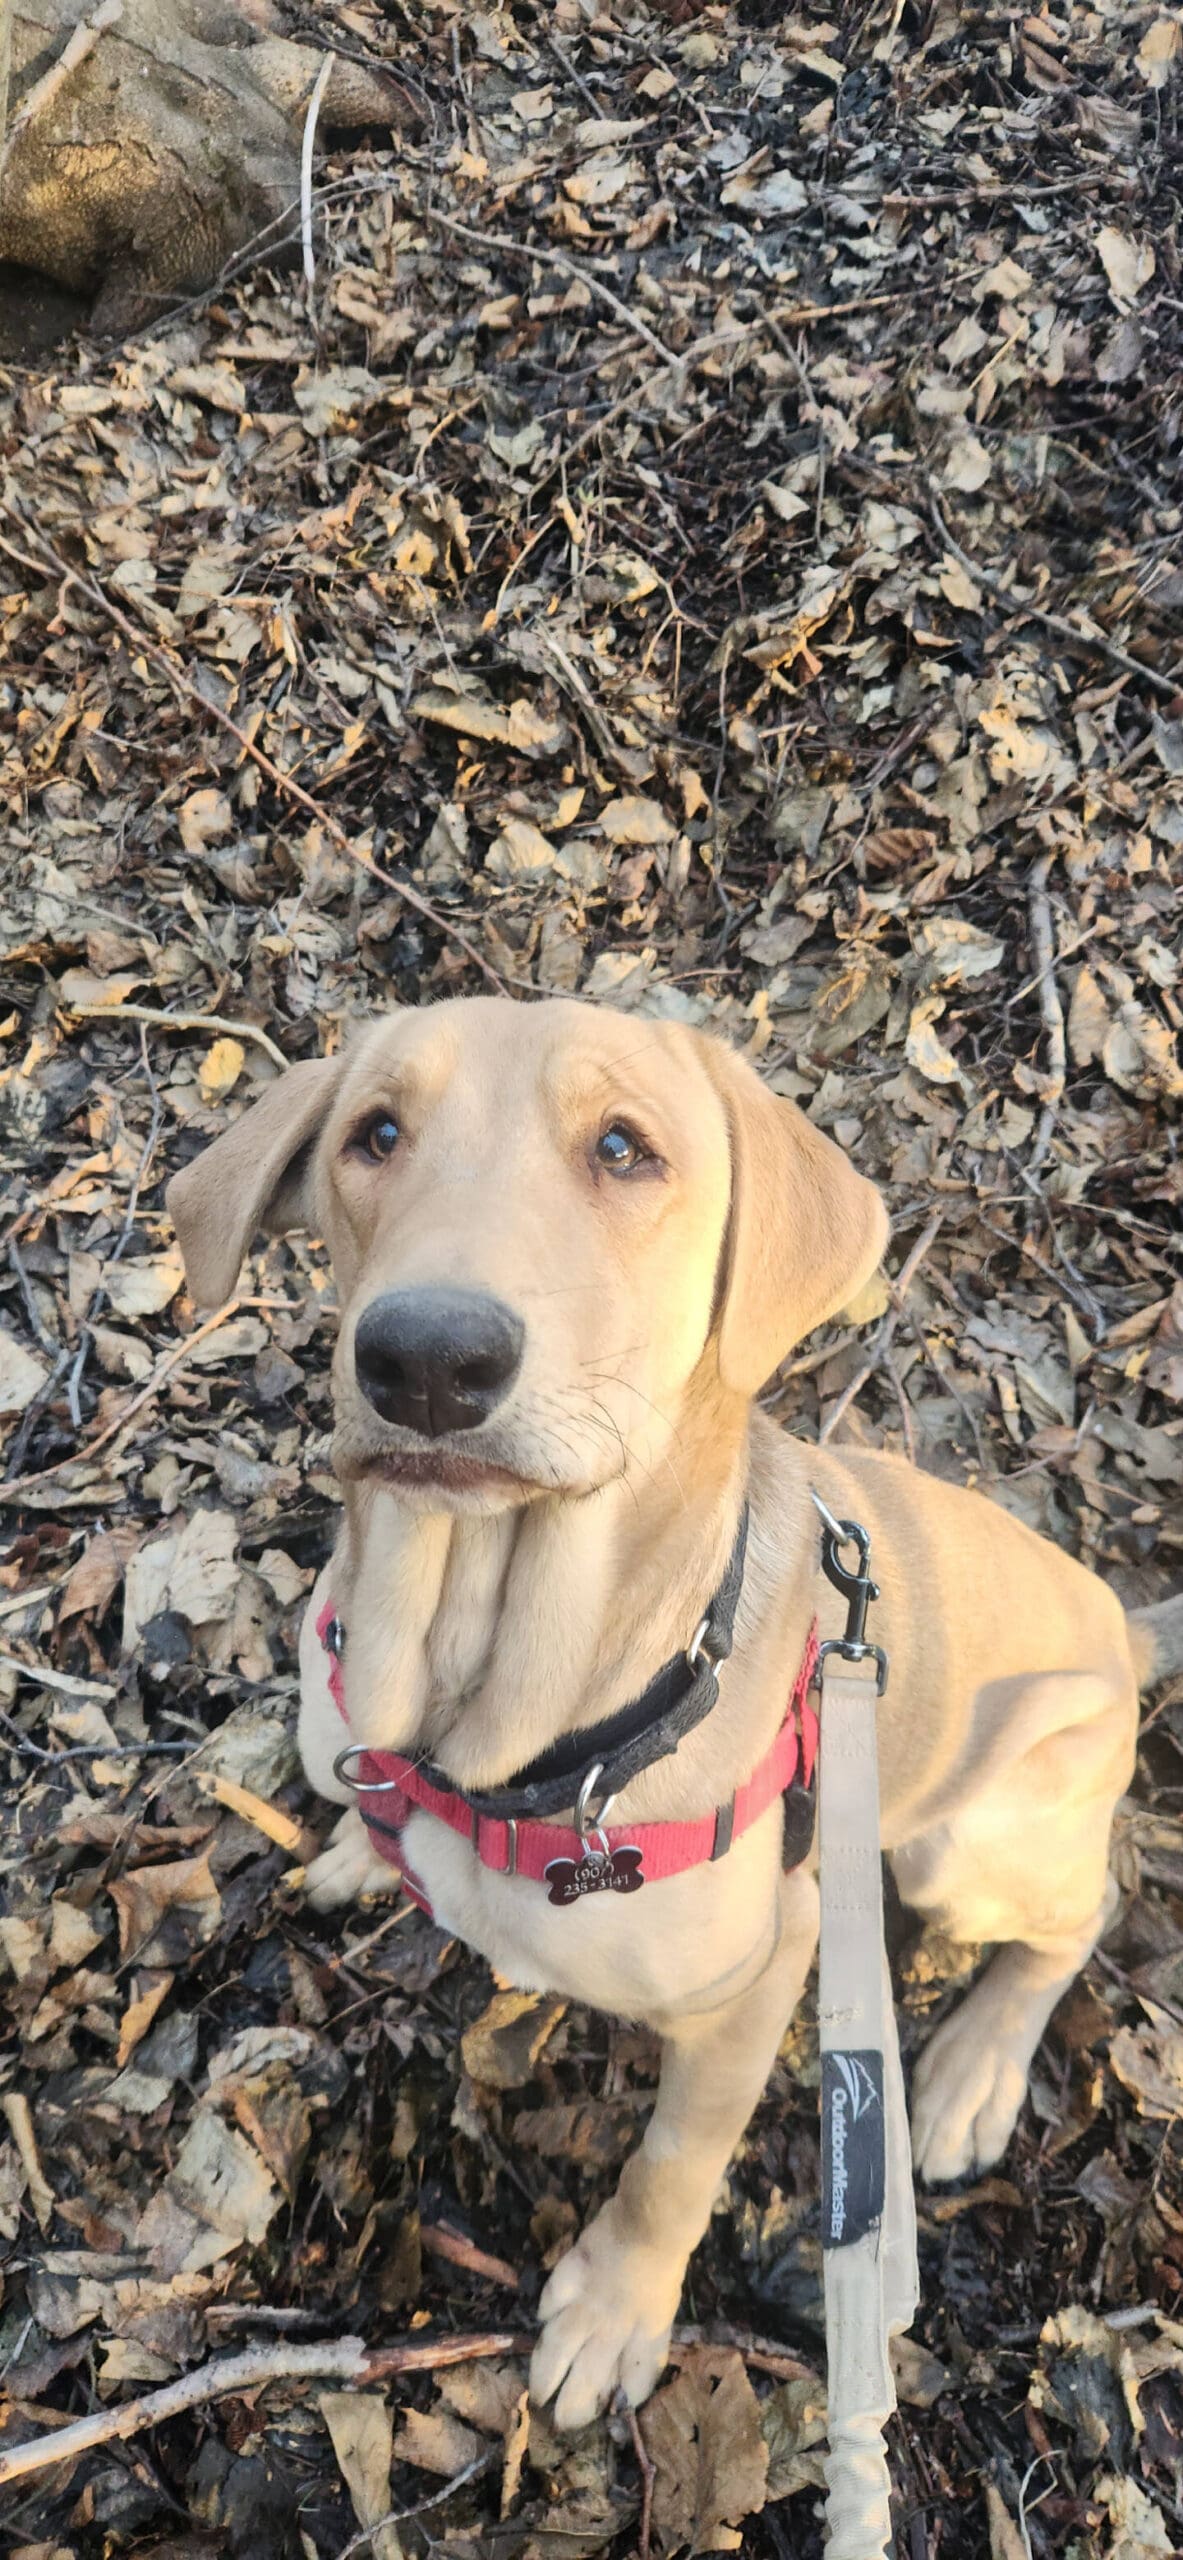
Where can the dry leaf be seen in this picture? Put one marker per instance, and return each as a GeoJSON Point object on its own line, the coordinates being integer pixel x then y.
{"type": "Point", "coordinates": [362, 2430]}
{"type": "Point", "coordinates": [1150, 2065]}
{"type": "Point", "coordinates": [1129, 264]}
{"type": "Point", "coordinates": [1006, 2542]}
{"type": "Point", "coordinates": [501, 2050]}
{"type": "Point", "coordinates": [517, 2441]}
{"type": "Point", "coordinates": [204, 818]}
{"type": "Point", "coordinates": [435, 2440]}
{"type": "Point", "coordinates": [220, 1069]}
{"type": "Point", "coordinates": [702, 2432]}
{"type": "Point", "coordinates": [22, 1374]}
{"type": "Point", "coordinates": [636, 821]}
{"type": "Point", "coordinates": [1159, 51]}
{"type": "Point", "coordinates": [520, 848]}
{"type": "Point", "coordinates": [95, 1578]}
{"type": "Point", "coordinates": [967, 465]}
{"type": "Point", "coordinates": [924, 1050]}
{"type": "Point", "coordinates": [148, 1899]}
{"type": "Point", "coordinates": [137, 1289]}
{"type": "Point", "coordinates": [1088, 1019]}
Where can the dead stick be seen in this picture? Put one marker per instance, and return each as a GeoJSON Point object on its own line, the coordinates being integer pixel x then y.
{"type": "Point", "coordinates": [899, 1290]}
{"type": "Point", "coordinates": [333, 2360]}
{"type": "Point", "coordinates": [1093, 643]}
{"type": "Point", "coordinates": [329, 2360]}
{"type": "Point", "coordinates": [511, 248]}
{"type": "Point", "coordinates": [441, 2241]}
{"type": "Point", "coordinates": [1043, 953]}
{"type": "Point", "coordinates": [283, 782]}
{"type": "Point", "coordinates": [648, 2470]}
{"type": "Point", "coordinates": [44, 90]}
{"type": "Point", "coordinates": [179, 1022]}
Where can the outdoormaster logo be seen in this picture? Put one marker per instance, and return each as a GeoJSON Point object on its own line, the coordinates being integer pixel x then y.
{"type": "Point", "coordinates": [853, 2162]}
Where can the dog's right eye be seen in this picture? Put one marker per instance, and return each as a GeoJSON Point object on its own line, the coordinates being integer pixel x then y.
{"type": "Point", "coordinates": [378, 1138]}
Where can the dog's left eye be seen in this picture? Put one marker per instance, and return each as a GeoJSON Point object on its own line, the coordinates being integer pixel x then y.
{"type": "Point", "coordinates": [378, 1138]}
{"type": "Point", "coordinates": [620, 1149]}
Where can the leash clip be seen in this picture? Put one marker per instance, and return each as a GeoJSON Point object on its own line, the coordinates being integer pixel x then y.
{"type": "Point", "coordinates": [589, 1825]}
{"type": "Point", "coordinates": [857, 1590]}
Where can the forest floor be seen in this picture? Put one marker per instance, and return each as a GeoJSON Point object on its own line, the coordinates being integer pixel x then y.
{"type": "Point", "coordinates": [711, 541]}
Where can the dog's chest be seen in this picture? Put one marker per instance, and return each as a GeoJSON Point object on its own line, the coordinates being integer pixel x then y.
{"type": "Point", "coordinates": [641, 1954]}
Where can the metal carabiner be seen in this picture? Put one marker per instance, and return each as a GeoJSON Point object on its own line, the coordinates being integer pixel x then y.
{"type": "Point", "coordinates": [857, 1590]}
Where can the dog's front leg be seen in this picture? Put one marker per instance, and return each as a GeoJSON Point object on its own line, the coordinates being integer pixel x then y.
{"type": "Point", "coordinates": [609, 2307]}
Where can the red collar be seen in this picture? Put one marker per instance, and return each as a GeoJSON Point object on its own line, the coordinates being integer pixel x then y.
{"type": "Point", "coordinates": [390, 1787]}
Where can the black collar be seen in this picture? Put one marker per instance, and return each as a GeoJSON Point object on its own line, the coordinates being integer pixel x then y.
{"type": "Point", "coordinates": [620, 1746]}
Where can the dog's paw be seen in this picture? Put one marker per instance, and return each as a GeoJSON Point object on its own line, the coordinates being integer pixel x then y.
{"type": "Point", "coordinates": [607, 2313]}
{"type": "Point", "coordinates": [350, 1866]}
{"type": "Point", "coordinates": [966, 2096]}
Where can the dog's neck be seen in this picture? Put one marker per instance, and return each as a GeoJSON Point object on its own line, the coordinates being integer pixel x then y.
{"type": "Point", "coordinates": [477, 1641]}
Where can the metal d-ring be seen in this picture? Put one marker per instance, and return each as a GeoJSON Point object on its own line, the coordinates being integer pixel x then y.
{"type": "Point", "coordinates": [698, 1650]}
{"type": "Point", "coordinates": [362, 1786]}
{"type": "Point", "coordinates": [591, 1826]}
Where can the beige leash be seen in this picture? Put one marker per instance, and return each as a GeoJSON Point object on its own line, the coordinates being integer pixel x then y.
{"type": "Point", "coordinates": [868, 2203]}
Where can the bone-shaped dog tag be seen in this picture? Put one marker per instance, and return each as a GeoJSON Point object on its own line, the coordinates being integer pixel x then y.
{"type": "Point", "coordinates": [598, 1871]}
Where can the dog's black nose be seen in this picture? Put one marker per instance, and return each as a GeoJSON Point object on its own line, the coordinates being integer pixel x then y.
{"type": "Point", "coordinates": [437, 1360]}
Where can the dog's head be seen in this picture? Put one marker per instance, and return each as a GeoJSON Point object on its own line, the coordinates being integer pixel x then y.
{"type": "Point", "coordinates": [549, 1224]}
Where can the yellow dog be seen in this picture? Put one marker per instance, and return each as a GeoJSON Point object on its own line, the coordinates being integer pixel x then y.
{"type": "Point", "coordinates": [570, 1247]}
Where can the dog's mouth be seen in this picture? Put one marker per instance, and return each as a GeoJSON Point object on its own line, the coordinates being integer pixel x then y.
{"type": "Point", "coordinates": [431, 1470]}
{"type": "Point", "coordinates": [440, 1471]}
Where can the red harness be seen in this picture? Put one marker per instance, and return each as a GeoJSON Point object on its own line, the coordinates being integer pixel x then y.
{"type": "Point", "coordinates": [555, 1854]}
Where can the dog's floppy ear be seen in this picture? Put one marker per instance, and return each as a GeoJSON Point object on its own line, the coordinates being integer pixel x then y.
{"type": "Point", "coordinates": [805, 1230]}
{"type": "Point", "coordinates": [256, 1176]}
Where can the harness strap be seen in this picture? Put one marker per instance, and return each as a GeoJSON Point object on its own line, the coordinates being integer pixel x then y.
{"type": "Point", "coordinates": [622, 1745]}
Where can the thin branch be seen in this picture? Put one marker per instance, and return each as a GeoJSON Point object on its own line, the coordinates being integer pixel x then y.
{"type": "Point", "coordinates": [401, 2515]}
{"type": "Point", "coordinates": [441, 2241]}
{"type": "Point", "coordinates": [511, 248]}
{"type": "Point", "coordinates": [331, 2359]}
{"type": "Point", "coordinates": [1093, 643]}
{"type": "Point", "coordinates": [306, 150]}
{"type": "Point", "coordinates": [74, 52]}
{"type": "Point", "coordinates": [1043, 952]}
{"type": "Point", "coordinates": [186, 691]}
{"type": "Point", "coordinates": [648, 2470]}
{"type": "Point", "coordinates": [883, 1339]}
{"type": "Point", "coordinates": [218, 1022]}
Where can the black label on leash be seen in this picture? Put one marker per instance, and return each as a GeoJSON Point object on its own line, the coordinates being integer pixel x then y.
{"type": "Point", "coordinates": [854, 2148]}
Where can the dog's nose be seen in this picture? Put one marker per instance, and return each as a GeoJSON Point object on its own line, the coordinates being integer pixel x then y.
{"type": "Point", "coordinates": [437, 1360]}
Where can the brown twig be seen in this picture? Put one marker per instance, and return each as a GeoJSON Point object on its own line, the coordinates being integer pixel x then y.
{"type": "Point", "coordinates": [441, 2241]}
{"type": "Point", "coordinates": [648, 2470]}
{"type": "Point", "coordinates": [1043, 952]}
{"type": "Point", "coordinates": [989, 194]}
{"type": "Point", "coordinates": [283, 782]}
{"type": "Point", "coordinates": [219, 1022]}
{"type": "Point", "coordinates": [331, 2360]}
{"type": "Point", "coordinates": [511, 248]}
{"type": "Point", "coordinates": [762, 2354]}
{"type": "Point", "coordinates": [1093, 643]}
{"type": "Point", "coordinates": [899, 1289]}
{"type": "Point", "coordinates": [43, 92]}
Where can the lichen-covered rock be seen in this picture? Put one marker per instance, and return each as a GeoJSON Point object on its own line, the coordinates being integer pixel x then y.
{"type": "Point", "coordinates": [172, 146]}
